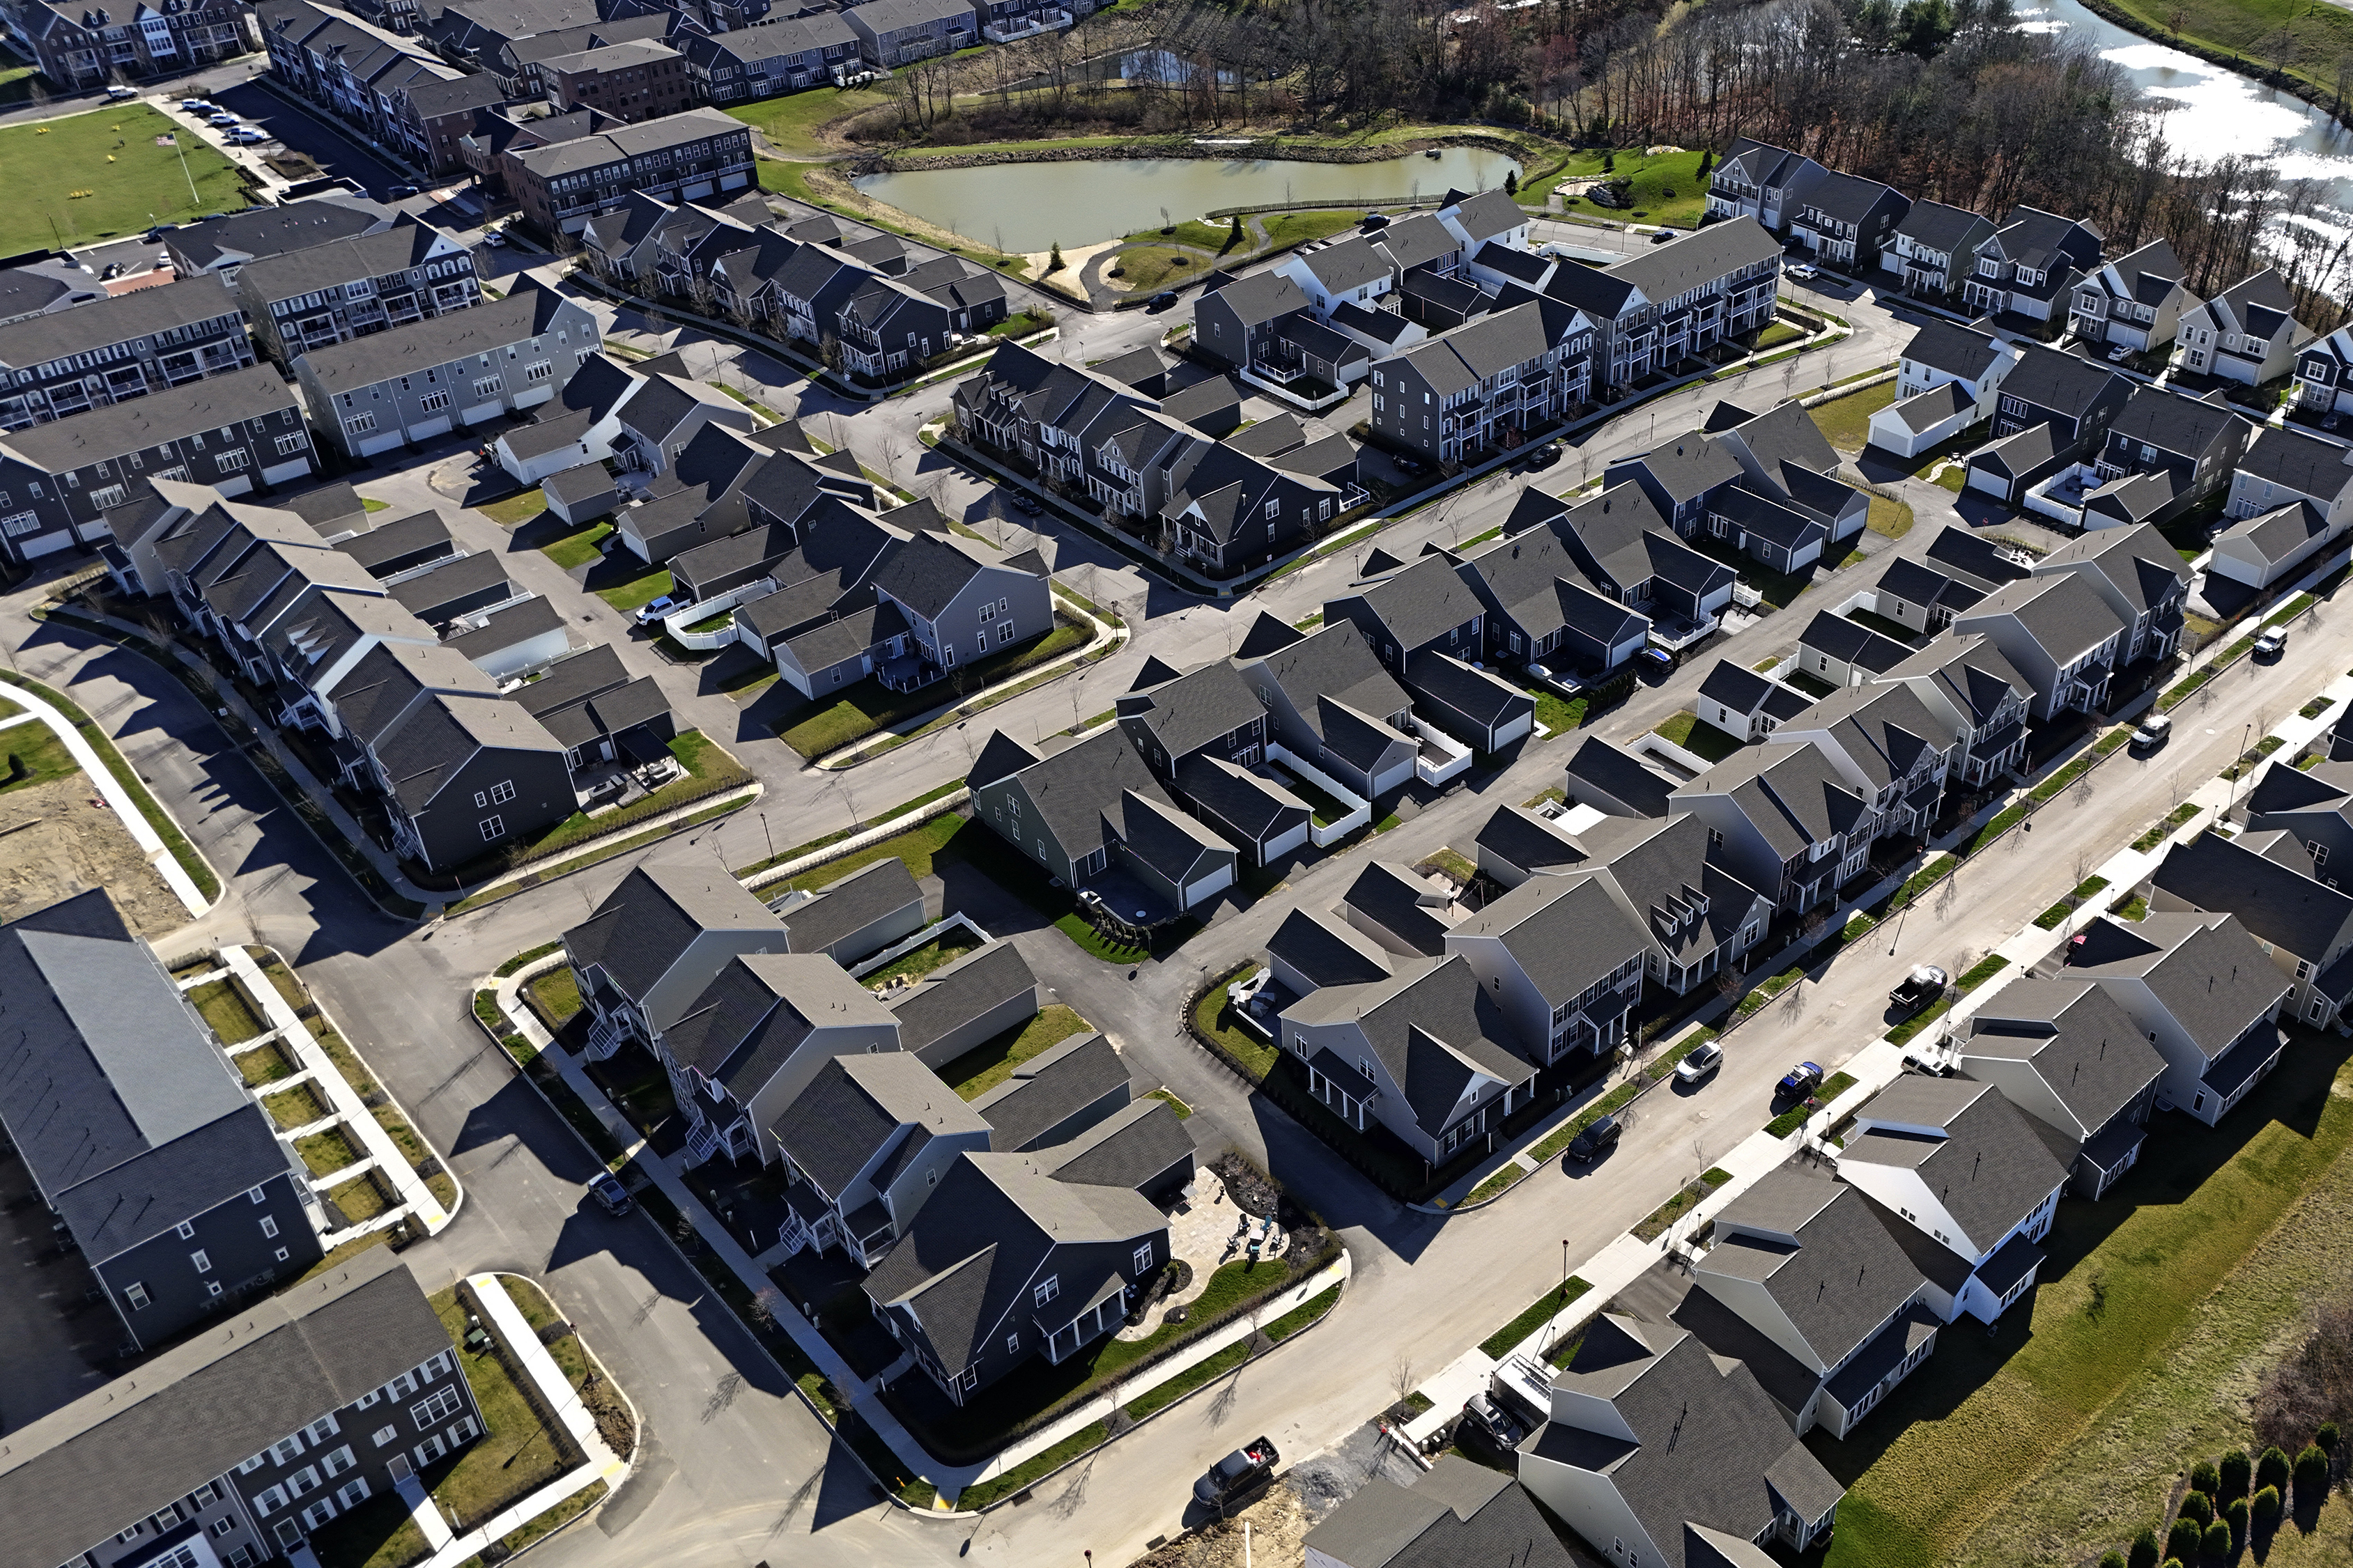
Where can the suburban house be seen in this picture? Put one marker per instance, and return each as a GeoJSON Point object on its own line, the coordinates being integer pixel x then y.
{"type": "Point", "coordinates": [976, 1287]}
{"type": "Point", "coordinates": [2133, 302]}
{"type": "Point", "coordinates": [1961, 568]}
{"type": "Point", "coordinates": [2029, 262]}
{"type": "Point", "coordinates": [780, 53]}
{"type": "Point", "coordinates": [2247, 333]}
{"type": "Point", "coordinates": [1458, 1511]}
{"type": "Point", "coordinates": [1493, 383]}
{"type": "Point", "coordinates": [2058, 632]}
{"type": "Point", "coordinates": [2313, 805]}
{"type": "Point", "coordinates": [1564, 960]}
{"type": "Point", "coordinates": [1330, 704]}
{"type": "Point", "coordinates": [2279, 881]}
{"type": "Point", "coordinates": [1069, 810]}
{"type": "Point", "coordinates": [962, 1006]}
{"type": "Point", "coordinates": [1614, 781]}
{"type": "Point", "coordinates": [164, 1171]}
{"type": "Point", "coordinates": [222, 245]}
{"type": "Point", "coordinates": [2187, 445]}
{"type": "Point", "coordinates": [81, 48]}
{"type": "Point", "coordinates": [2198, 985]}
{"type": "Point", "coordinates": [1624, 550]}
{"type": "Point", "coordinates": [2052, 410]}
{"type": "Point", "coordinates": [1945, 384]}
{"type": "Point", "coordinates": [1808, 1289]}
{"type": "Point", "coordinates": [1204, 735]}
{"type": "Point", "coordinates": [656, 942]}
{"type": "Point", "coordinates": [411, 383]}
{"type": "Point", "coordinates": [1672, 302]}
{"type": "Point", "coordinates": [1892, 746]}
{"type": "Point", "coordinates": [58, 480]}
{"type": "Point", "coordinates": [1425, 626]}
{"type": "Point", "coordinates": [959, 600]}
{"type": "Point", "coordinates": [462, 774]}
{"type": "Point", "coordinates": [1964, 1183]}
{"type": "Point", "coordinates": [1310, 950]}
{"type": "Point", "coordinates": [1844, 652]}
{"type": "Point", "coordinates": [1769, 183]}
{"type": "Point", "coordinates": [1402, 911]}
{"type": "Point", "coordinates": [1848, 222]}
{"type": "Point", "coordinates": [2067, 1053]}
{"type": "Point", "coordinates": [2142, 578]}
{"type": "Point", "coordinates": [111, 350]}
{"type": "Point", "coordinates": [355, 65]}
{"type": "Point", "coordinates": [1056, 1095]}
{"type": "Point", "coordinates": [1934, 247]}
{"type": "Point", "coordinates": [346, 289]}
{"type": "Point", "coordinates": [1789, 820]}
{"type": "Point", "coordinates": [850, 920]}
{"type": "Point", "coordinates": [862, 1146]}
{"type": "Point", "coordinates": [2323, 376]}
{"type": "Point", "coordinates": [1420, 1052]}
{"type": "Point", "coordinates": [2291, 498]}
{"type": "Point", "coordinates": [234, 1446]}
{"type": "Point", "coordinates": [1745, 704]}
{"type": "Point", "coordinates": [637, 78]}
{"type": "Point", "coordinates": [892, 33]}
{"type": "Point", "coordinates": [600, 714]}
{"type": "Point", "coordinates": [1658, 1451]}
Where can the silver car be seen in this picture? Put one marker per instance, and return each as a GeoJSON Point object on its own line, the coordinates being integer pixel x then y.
{"type": "Point", "coordinates": [1700, 1063]}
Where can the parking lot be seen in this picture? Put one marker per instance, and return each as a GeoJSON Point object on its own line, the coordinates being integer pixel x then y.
{"type": "Point", "coordinates": [333, 150]}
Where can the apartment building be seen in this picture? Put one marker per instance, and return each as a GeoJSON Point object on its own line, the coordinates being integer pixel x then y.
{"type": "Point", "coordinates": [82, 47]}
{"type": "Point", "coordinates": [682, 157]}
{"type": "Point", "coordinates": [57, 364]}
{"type": "Point", "coordinates": [331, 293]}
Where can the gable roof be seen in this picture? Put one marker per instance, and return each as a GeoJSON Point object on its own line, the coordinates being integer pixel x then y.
{"type": "Point", "coordinates": [1815, 1247]}
{"type": "Point", "coordinates": [2076, 1036]}
{"type": "Point", "coordinates": [1984, 1162]}
{"type": "Point", "coordinates": [644, 925]}
{"type": "Point", "coordinates": [1460, 1515]}
{"type": "Point", "coordinates": [1049, 1088]}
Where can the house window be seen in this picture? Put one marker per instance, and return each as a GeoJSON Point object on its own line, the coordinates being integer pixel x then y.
{"type": "Point", "coordinates": [270, 1502]}
{"type": "Point", "coordinates": [337, 1463]}
{"type": "Point", "coordinates": [203, 1264]}
{"type": "Point", "coordinates": [1048, 1288]}
{"type": "Point", "coordinates": [538, 372]}
{"type": "Point", "coordinates": [112, 496]}
{"type": "Point", "coordinates": [2320, 852]}
{"type": "Point", "coordinates": [322, 1429]}
{"type": "Point", "coordinates": [359, 423]}
{"type": "Point", "coordinates": [228, 462]}
{"type": "Point", "coordinates": [493, 830]}
{"type": "Point", "coordinates": [355, 1492]}
{"type": "Point", "coordinates": [1142, 1259]}
{"type": "Point", "coordinates": [489, 386]}
{"type": "Point", "coordinates": [502, 792]}
{"type": "Point", "coordinates": [432, 1448]}
{"type": "Point", "coordinates": [288, 446]}
{"type": "Point", "coordinates": [433, 402]}
{"type": "Point", "coordinates": [268, 1226]}
{"type": "Point", "coordinates": [439, 1405]}
{"type": "Point", "coordinates": [185, 1231]}
{"type": "Point", "coordinates": [384, 1435]}
{"type": "Point", "coordinates": [318, 1513]}
{"type": "Point", "coordinates": [286, 1450]}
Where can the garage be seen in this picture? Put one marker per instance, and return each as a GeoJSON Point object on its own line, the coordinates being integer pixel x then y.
{"type": "Point", "coordinates": [426, 429]}
{"type": "Point", "coordinates": [1513, 729]}
{"type": "Point", "coordinates": [1210, 886]}
{"type": "Point", "coordinates": [368, 446]}
{"type": "Point", "coordinates": [480, 412]}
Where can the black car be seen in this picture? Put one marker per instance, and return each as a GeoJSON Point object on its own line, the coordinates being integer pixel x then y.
{"type": "Point", "coordinates": [607, 1190]}
{"type": "Point", "coordinates": [1545, 455]}
{"type": "Point", "coordinates": [1026, 503]}
{"type": "Point", "coordinates": [1163, 300]}
{"type": "Point", "coordinates": [1597, 1141]}
{"type": "Point", "coordinates": [1404, 465]}
{"type": "Point", "coordinates": [1238, 1477]}
{"type": "Point", "coordinates": [397, 193]}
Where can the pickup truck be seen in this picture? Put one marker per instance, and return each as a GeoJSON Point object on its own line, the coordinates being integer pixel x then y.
{"type": "Point", "coordinates": [1922, 986]}
{"type": "Point", "coordinates": [1238, 1478]}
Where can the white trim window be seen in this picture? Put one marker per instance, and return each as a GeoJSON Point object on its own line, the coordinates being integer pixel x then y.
{"type": "Point", "coordinates": [290, 445]}
{"type": "Point", "coordinates": [439, 1405]}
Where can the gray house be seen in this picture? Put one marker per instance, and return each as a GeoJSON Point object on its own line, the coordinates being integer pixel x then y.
{"type": "Point", "coordinates": [453, 372]}
{"type": "Point", "coordinates": [1330, 704]}
{"type": "Point", "coordinates": [864, 914]}
{"type": "Point", "coordinates": [347, 289]}
{"type": "Point", "coordinates": [863, 1146]}
{"type": "Point", "coordinates": [961, 602]}
{"type": "Point", "coordinates": [53, 366]}
{"type": "Point", "coordinates": [167, 1175]}
{"type": "Point", "coordinates": [892, 33]}
{"type": "Point", "coordinates": [653, 944]}
{"type": "Point", "coordinates": [232, 1447]}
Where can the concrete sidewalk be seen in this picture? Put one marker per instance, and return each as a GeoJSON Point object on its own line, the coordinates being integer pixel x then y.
{"type": "Point", "coordinates": [117, 800]}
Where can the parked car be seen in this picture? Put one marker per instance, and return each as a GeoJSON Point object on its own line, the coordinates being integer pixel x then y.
{"type": "Point", "coordinates": [2118, 355]}
{"type": "Point", "coordinates": [2271, 644]}
{"type": "Point", "coordinates": [1662, 236]}
{"type": "Point", "coordinates": [1597, 1141]}
{"type": "Point", "coordinates": [1375, 222]}
{"type": "Point", "coordinates": [1238, 1477]}
{"type": "Point", "coordinates": [648, 614]}
{"type": "Point", "coordinates": [1163, 300]}
{"type": "Point", "coordinates": [1922, 986]}
{"type": "Point", "coordinates": [395, 192]}
{"type": "Point", "coordinates": [1405, 465]}
{"type": "Point", "coordinates": [495, 240]}
{"type": "Point", "coordinates": [2153, 732]}
{"type": "Point", "coordinates": [1545, 455]}
{"type": "Point", "coordinates": [1802, 270]}
{"type": "Point", "coordinates": [1488, 1424]}
{"type": "Point", "coordinates": [1026, 504]}
{"type": "Point", "coordinates": [116, 94]}
{"type": "Point", "coordinates": [222, 118]}
{"type": "Point", "coordinates": [1700, 1062]}
{"type": "Point", "coordinates": [607, 1190]}
{"type": "Point", "coordinates": [1801, 1080]}
{"type": "Point", "coordinates": [1657, 660]}
{"type": "Point", "coordinates": [198, 105]}
{"type": "Point", "coordinates": [246, 136]}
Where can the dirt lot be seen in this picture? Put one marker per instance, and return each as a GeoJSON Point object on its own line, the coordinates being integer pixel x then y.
{"type": "Point", "coordinates": [1278, 1522]}
{"type": "Point", "coordinates": [58, 838]}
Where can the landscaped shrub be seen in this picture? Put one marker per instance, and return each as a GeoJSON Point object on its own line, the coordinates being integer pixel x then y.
{"type": "Point", "coordinates": [2311, 1476]}
{"type": "Point", "coordinates": [2198, 1505]}
{"type": "Point", "coordinates": [2143, 1551]}
{"type": "Point", "coordinates": [2184, 1539]}
{"type": "Point", "coordinates": [2271, 1471]}
{"type": "Point", "coordinates": [2327, 1437]}
{"type": "Point", "coordinates": [2203, 1478]}
{"type": "Point", "coordinates": [2217, 1541]}
{"type": "Point", "coordinates": [2237, 1516]}
{"type": "Point", "coordinates": [2112, 1559]}
{"type": "Point", "coordinates": [2267, 1504]}
{"type": "Point", "coordinates": [2236, 1468]}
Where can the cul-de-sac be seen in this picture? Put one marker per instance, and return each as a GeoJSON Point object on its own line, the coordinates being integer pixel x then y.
{"type": "Point", "coordinates": [1175, 783]}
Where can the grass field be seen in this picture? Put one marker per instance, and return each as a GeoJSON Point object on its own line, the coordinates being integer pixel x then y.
{"type": "Point", "coordinates": [577, 549]}
{"type": "Point", "coordinates": [816, 729]}
{"type": "Point", "coordinates": [1892, 517]}
{"type": "Point", "coordinates": [42, 165]}
{"type": "Point", "coordinates": [1654, 179]}
{"type": "Point", "coordinates": [2321, 34]}
{"type": "Point", "coordinates": [2158, 1308]}
{"type": "Point", "coordinates": [515, 510]}
{"type": "Point", "coordinates": [1847, 420]}
{"type": "Point", "coordinates": [1704, 740]}
{"type": "Point", "coordinates": [790, 122]}
{"type": "Point", "coordinates": [1143, 271]}
{"type": "Point", "coordinates": [31, 755]}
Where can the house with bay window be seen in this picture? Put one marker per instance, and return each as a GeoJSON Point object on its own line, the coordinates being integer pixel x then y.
{"type": "Point", "coordinates": [1787, 819]}
{"type": "Point", "coordinates": [1934, 247]}
{"type": "Point", "coordinates": [1756, 180]}
{"type": "Point", "coordinates": [2058, 632]}
{"type": "Point", "coordinates": [2135, 302]}
{"type": "Point", "coordinates": [1564, 960]}
{"type": "Point", "coordinates": [1848, 221]}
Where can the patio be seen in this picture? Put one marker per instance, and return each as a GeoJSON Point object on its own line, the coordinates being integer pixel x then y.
{"type": "Point", "coordinates": [1206, 1229]}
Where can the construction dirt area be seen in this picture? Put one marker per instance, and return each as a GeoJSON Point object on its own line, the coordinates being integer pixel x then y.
{"type": "Point", "coordinates": [60, 838]}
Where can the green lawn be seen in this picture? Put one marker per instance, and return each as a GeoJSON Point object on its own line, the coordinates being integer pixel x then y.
{"type": "Point", "coordinates": [2158, 1307]}
{"type": "Point", "coordinates": [626, 594]}
{"type": "Point", "coordinates": [986, 1066]}
{"type": "Point", "coordinates": [1537, 1313]}
{"type": "Point", "coordinates": [516, 1456]}
{"type": "Point", "coordinates": [1892, 517]}
{"type": "Point", "coordinates": [1654, 179]}
{"type": "Point", "coordinates": [516, 510]}
{"type": "Point", "coordinates": [1776, 334]}
{"type": "Point", "coordinates": [2316, 37]}
{"type": "Point", "coordinates": [819, 728]}
{"type": "Point", "coordinates": [43, 167]}
{"type": "Point", "coordinates": [790, 122]}
{"type": "Point", "coordinates": [1846, 421]}
{"type": "Point", "coordinates": [554, 995]}
{"type": "Point", "coordinates": [1557, 713]}
{"type": "Point", "coordinates": [33, 756]}
{"type": "Point", "coordinates": [917, 846]}
{"type": "Point", "coordinates": [577, 548]}
{"type": "Point", "coordinates": [1703, 739]}
{"type": "Point", "coordinates": [1216, 1019]}
{"type": "Point", "coordinates": [224, 1011]}
{"type": "Point", "coordinates": [936, 955]}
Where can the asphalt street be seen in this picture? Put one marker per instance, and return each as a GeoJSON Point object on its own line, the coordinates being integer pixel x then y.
{"type": "Point", "coordinates": [735, 1469]}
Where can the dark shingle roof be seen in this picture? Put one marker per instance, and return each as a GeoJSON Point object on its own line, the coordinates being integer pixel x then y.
{"type": "Point", "coordinates": [2078, 1039]}
{"type": "Point", "coordinates": [1989, 1169]}
{"type": "Point", "coordinates": [855, 1105]}
{"type": "Point", "coordinates": [1840, 1279]}
{"type": "Point", "coordinates": [952, 995]}
{"type": "Point", "coordinates": [1050, 1087]}
{"type": "Point", "coordinates": [1460, 1515]}
{"type": "Point", "coordinates": [845, 908]}
{"type": "Point", "coordinates": [646, 923]}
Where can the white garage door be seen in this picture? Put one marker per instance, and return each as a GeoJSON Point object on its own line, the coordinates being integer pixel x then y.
{"type": "Point", "coordinates": [1215, 882]}
{"type": "Point", "coordinates": [1990, 483]}
{"type": "Point", "coordinates": [382, 441]}
{"type": "Point", "coordinates": [1396, 778]}
{"type": "Point", "coordinates": [1515, 730]}
{"type": "Point", "coordinates": [1284, 843]}
{"type": "Point", "coordinates": [426, 429]}
{"type": "Point", "coordinates": [697, 191]}
{"type": "Point", "coordinates": [482, 411]}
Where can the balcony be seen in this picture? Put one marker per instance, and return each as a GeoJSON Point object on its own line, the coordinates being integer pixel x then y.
{"type": "Point", "coordinates": [1029, 25]}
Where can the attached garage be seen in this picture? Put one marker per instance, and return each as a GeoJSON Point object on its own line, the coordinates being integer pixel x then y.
{"type": "Point", "coordinates": [426, 429]}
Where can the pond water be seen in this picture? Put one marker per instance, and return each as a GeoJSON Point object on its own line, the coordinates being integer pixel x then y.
{"type": "Point", "coordinates": [1029, 207]}
{"type": "Point", "coordinates": [2212, 112]}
